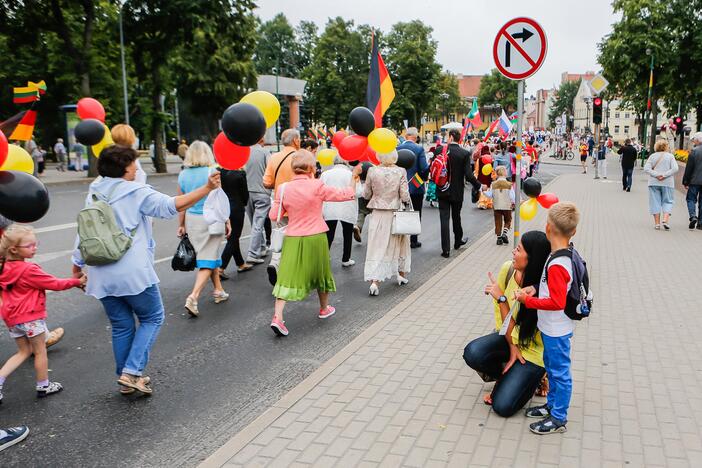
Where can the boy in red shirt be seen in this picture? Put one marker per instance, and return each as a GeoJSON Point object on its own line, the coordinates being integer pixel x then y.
{"type": "Point", "coordinates": [555, 326]}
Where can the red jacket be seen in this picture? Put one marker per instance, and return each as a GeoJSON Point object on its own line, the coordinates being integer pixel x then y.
{"type": "Point", "coordinates": [23, 286]}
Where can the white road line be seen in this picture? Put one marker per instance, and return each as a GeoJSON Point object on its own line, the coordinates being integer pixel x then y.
{"type": "Point", "coordinates": [58, 227]}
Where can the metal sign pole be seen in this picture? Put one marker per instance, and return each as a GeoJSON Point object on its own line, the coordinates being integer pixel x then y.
{"type": "Point", "coordinates": [597, 151]}
{"type": "Point", "coordinates": [518, 188]}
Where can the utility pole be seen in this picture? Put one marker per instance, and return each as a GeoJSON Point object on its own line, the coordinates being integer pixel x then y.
{"type": "Point", "coordinates": [124, 68]}
{"type": "Point", "coordinates": [518, 178]}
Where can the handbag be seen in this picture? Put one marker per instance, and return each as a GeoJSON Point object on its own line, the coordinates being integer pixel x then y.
{"type": "Point", "coordinates": [278, 233]}
{"type": "Point", "coordinates": [406, 222]}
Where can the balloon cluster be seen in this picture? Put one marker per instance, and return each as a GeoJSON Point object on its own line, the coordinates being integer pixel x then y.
{"type": "Point", "coordinates": [23, 198]}
{"type": "Point", "coordinates": [243, 125]}
{"type": "Point", "coordinates": [532, 189]}
{"type": "Point", "coordinates": [487, 169]}
{"type": "Point", "coordinates": [91, 130]}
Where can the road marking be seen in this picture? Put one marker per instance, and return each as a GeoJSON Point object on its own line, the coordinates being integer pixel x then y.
{"type": "Point", "coordinates": [58, 227]}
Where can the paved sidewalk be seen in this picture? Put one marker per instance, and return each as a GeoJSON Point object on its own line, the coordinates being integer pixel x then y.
{"type": "Point", "coordinates": [401, 395]}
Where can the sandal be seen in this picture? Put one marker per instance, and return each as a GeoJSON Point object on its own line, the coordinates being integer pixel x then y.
{"type": "Point", "coordinates": [657, 227]}
{"type": "Point", "coordinates": [244, 267]}
{"type": "Point", "coordinates": [136, 382]}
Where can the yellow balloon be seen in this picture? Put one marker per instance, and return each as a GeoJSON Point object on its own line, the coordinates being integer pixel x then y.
{"type": "Point", "coordinates": [382, 140]}
{"type": "Point", "coordinates": [18, 160]}
{"type": "Point", "coordinates": [487, 169]}
{"type": "Point", "coordinates": [266, 103]}
{"type": "Point", "coordinates": [106, 141]}
{"type": "Point", "coordinates": [528, 209]}
{"type": "Point", "coordinates": [326, 157]}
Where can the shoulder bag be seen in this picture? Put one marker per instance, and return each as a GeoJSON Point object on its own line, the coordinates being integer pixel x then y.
{"type": "Point", "coordinates": [406, 222]}
{"type": "Point", "coordinates": [278, 233]}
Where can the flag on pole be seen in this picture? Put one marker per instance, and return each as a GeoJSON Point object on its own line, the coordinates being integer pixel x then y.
{"type": "Point", "coordinates": [41, 86]}
{"type": "Point", "coordinates": [379, 92]}
{"type": "Point", "coordinates": [25, 128]}
{"type": "Point", "coordinates": [474, 115]}
{"type": "Point", "coordinates": [505, 125]}
{"type": "Point", "coordinates": [492, 128]}
{"type": "Point", "coordinates": [25, 94]}
{"type": "Point", "coordinates": [311, 134]}
{"type": "Point", "coordinates": [466, 126]}
{"type": "Point", "coordinates": [417, 181]}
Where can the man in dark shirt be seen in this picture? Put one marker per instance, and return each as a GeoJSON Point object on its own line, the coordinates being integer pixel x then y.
{"type": "Point", "coordinates": [460, 167]}
{"type": "Point", "coordinates": [692, 181]}
{"type": "Point", "coordinates": [628, 153]}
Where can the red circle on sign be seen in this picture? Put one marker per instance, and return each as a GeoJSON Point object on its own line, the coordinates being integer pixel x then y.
{"type": "Point", "coordinates": [537, 63]}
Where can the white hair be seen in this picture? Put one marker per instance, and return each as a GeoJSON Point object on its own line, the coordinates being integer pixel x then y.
{"type": "Point", "coordinates": [697, 137]}
{"type": "Point", "coordinates": [388, 159]}
{"type": "Point", "coordinates": [287, 137]}
{"type": "Point", "coordinates": [199, 154]}
{"type": "Point", "coordinates": [412, 131]}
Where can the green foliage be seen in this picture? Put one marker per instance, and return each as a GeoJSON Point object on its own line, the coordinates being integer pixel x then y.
{"type": "Point", "coordinates": [563, 103]}
{"type": "Point", "coordinates": [447, 98]}
{"type": "Point", "coordinates": [497, 89]}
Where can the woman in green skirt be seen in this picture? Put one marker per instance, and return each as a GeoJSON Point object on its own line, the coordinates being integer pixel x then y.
{"type": "Point", "coordinates": [304, 262]}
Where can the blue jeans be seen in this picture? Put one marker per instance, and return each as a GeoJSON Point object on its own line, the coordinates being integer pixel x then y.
{"type": "Point", "coordinates": [627, 177]}
{"type": "Point", "coordinates": [694, 197]}
{"type": "Point", "coordinates": [557, 361]}
{"type": "Point", "coordinates": [131, 345]}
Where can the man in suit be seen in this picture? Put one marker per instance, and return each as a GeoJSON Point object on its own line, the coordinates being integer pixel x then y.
{"type": "Point", "coordinates": [460, 166]}
{"type": "Point", "coordinates": [421, 169]}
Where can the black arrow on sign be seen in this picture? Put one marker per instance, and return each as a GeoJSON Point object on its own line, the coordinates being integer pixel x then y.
{"type": "Point", "coordinates": [524, 36]}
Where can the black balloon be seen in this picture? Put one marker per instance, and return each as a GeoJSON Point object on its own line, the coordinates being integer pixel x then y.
{"type": "Point", "coordinates": [243, 124]}
{"type": "Point", "coordinates": [406, 158]}
{"type": "Point", "coordinates": [531, 187]}
{"type": "Point", "coordinates": [23, 198]}
{"type": "Point", "coordinates": [362, 121]}
{"type": "Point", "coordinates": [89, 131]}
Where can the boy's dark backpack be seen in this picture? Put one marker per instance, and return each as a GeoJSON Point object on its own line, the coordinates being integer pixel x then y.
{"type": "Point", "coordinates": [579, 298]}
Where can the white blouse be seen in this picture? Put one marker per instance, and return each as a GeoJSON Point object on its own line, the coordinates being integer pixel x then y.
{"type": "Point", "coordinates": [340, 176]}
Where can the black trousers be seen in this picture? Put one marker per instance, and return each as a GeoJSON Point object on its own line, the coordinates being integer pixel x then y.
{"type": "Point", "coordinates": [232, 249]}
{"type": "Point", "coordinates": [268, 228]}
{"type": "Point", "coordinates": [488, 355]}
{"type": "Point", "coordinates": [627, 177]}
{"type": "Point", "coordinates": [450, 209]}
{"type": "Point", "coordinates": [417, 203]}
{"type": "Point", "coordinates": [347, 230]}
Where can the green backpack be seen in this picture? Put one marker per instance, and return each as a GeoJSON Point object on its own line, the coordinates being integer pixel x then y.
{"type": "Point", "coordinates": [100, 238]}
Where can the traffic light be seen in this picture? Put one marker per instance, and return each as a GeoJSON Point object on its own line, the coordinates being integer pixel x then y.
{"type": "Point", "coordinates": [597, 110]}
{"type": "Point", "coordinates": [679, 127]}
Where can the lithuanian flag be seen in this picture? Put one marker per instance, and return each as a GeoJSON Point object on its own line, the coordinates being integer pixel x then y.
{"type": "Point", "coordinates": [379, 93]}
{"type": "Point", "coordinates": [25, 94]}
{"type": "Point", "coordinates": [24, 129]}
{"type": "Point", "coordinates": [41, 86]}
{"type": "Point", "coordinates": [416, 180]}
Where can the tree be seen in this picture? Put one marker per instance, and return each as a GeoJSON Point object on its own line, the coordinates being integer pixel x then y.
{"type": "Point", "coordinates": [410, 55]}
{"type": "Point", "coordinates": [277, 48]}
{"type": "Point", "coordinates": [497, 89]}
{"type": "Point", "coordinates": [563, 103]}
{"type": "Point", "coordinates": [305, 40]}
{"type": "Point", "coordinates": [447, 99]}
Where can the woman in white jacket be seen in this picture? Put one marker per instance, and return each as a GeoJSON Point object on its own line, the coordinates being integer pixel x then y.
{"type": "Point", "coordinates": [345, 212]}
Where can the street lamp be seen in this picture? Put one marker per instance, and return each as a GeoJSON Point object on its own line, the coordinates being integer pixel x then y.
{"type": "Point", "coordinates": [587, 100]}
{"type": "Point", "coordinates": [644, 152]}
{"type": "Point", "coordinates": [124, 68]}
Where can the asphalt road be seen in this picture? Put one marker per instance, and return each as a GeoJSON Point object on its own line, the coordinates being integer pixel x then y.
{"type": "Point", "coordinates": [211, 375]}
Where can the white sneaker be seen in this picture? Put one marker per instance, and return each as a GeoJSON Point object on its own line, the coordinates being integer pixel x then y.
{"type": "Point", "coordinates": [349, 263]}
{"type": "Point", "coordinates": [256, 261]}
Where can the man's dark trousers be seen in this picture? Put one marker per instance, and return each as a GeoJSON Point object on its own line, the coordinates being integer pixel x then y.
{"type": "Point", "coordinates": [450, 209]}
{"type": "Point", "coordinates": [417, 202]}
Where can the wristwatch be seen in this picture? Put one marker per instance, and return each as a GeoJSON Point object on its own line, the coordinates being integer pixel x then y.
{"type": "Point", "coordinates": [502, 299]}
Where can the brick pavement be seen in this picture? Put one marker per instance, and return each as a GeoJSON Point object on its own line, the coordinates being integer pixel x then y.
{"type": "Point", "coordinates": [401, 395]}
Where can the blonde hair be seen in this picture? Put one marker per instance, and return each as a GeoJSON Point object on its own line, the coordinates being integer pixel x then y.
{"type": "Point", "coordinates": [123, 134]}
{"type": "Point", "coordinates": [12, 237]}
{"type": "Point", "coordinates": [303, 162]}
{"type": "Point", "coordinates": [564, 218]}
{"type": "Point", "coordinates": [388, 159]}
{"type": "Point", "coordinates": [661, 146]}
{"type": "Point", "coordinates": [501, 171]}
{"type": "Point", "coordinates": [199, 154]}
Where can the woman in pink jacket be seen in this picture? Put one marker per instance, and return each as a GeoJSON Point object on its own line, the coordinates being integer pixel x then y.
{"type": "Point", "coordinates": [304, 263]}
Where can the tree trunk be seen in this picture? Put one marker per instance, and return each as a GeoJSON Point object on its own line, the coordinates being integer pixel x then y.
{"type": "Point", "coordinates": [157, 120]}
{"type": "Point", "coordinates": [654, 123]}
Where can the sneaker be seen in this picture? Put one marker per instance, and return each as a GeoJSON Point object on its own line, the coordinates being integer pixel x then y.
{"type": "Point", "coordinates": [348, 263]}
{"type": "Point", "coordinates": [547, 425]}
{"type": "Point", "coordinates": [191, 307]}
{"type": "Point", "coordinates": [699, 226]}
{"type": "Point", "coordinates": [220, 296]}
{"type": "Point", "coordinates": [272, 275]}
{"type": "Point", "coordinates": [460, 243]}
{"type": "Point", "coordinates": [505, 238]}
{"type": "Point", "coordinates": [500, 241]}
{"type": "Point", "coordinates": [666, 226]}
{"type": "Point", "coordinates": [327, 312]}
{"type": "Point", "coordinates": [538, 411]}
{"type": "Point", "coordinates": [255, 261]}
{"type": "Point", "coordinates": [53, 387]}
{"type": "Point", "coordinates": [628, 189]}
{"type": "Point", "coordinates": [279, 327]}
{"type": "Point", "coordinates": [693, 223]}
{"type": "Point", "coordinates": [55, 336]}
{"type": "Point", "coordinates": [14, 436]}
{"type": "Point", "coordinates": [356, 234]}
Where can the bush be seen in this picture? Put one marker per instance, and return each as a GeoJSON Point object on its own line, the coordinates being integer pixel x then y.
{"type": "Point", "coordinates": [681, 155]}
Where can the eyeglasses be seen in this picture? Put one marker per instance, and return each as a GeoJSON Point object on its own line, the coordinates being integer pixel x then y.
{"type": "Point", "coordinates": [32, 245]}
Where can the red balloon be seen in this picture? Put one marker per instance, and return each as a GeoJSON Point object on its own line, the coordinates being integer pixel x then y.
{"type": "Point", "coordinates": [338, 137]}
{"type": "Point", "coordinates": [352, 147]}
{"type": "Point", "coordinates": [370, 155]}
{"type": "Point", "coordinates": [229, 155]}
{"type": "Point", "coordinates": [89, 108]}
{"type": "Point", "coordinates": [3, 148]}
{"type": "Point", "coordinates": [487, 159]}
{"type": "Point", "coordinates": [547, 200]}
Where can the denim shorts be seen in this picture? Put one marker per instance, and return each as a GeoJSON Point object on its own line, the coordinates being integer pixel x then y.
{"type": "Point", "coordinates": [29, 329]}
{"type": "Point", "coordinates": [660, 199]}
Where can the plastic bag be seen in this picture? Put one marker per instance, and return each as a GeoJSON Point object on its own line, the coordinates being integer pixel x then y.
{"type": "Point", "coordinates": [185, 258]}
{"type": "Point", "coordinates": [216, 209]}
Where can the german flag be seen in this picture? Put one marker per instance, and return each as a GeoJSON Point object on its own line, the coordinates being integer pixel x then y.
{"type": "Point", "coordinates": [25, 128]}
{"type": "Point", "coordinates": [380, 92]}
{"type": "Point", "coordinates": [25, 94]}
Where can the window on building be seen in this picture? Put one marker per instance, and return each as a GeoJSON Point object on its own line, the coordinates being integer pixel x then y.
{"type": "Point", "coordinates": [616, 129]}
{"type": "Point", "coordinates": [626, 115]}
{"type": "Point", "coordinates": [616, 115]}
{"type": "Point", "coordinates": [626, 129]}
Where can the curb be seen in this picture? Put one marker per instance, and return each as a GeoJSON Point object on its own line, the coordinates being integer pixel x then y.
{"type": "Point", "coordinates": [87, 180]}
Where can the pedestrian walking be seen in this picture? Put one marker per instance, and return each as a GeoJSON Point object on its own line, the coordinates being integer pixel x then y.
{"type": "Point", "coordinates": [23, 285]}
{"type": "Point", "coordinates": [692, 181]}
{"type": "Point", "coordinates": [182, 149]}
{"type": "Point", "coordinates": [363, 211]}
{"type": "Point", "coordinates": [416, 175]}
{"type": "Point", "coordinates": [484, 203]}
{"type": "Point", "coordinates": [583, 156]}
{"type": "Point", "coordinates": [502, 195]}
{"type": "Point", "coordinates": [661, 167]}
{"type": "Point", "coordinates": [198, 163]}
{"type": "Point", "coordinates": [279, 171]}
{"type": "Point", "coordinates": [60, 151]}
{"type": "Point", "coordinates": [78, 151]}
{"type": "Point", "coordinates": [602, 161]}
{"type": "Point", "coordinates": [340, 176]}
{"type": "Point", "coordinates": [628, 160]}
{"type": "Point", "coordinates": [460, 167]}
{"type": "Point", "coordinates": [387, 254]}
{"type": "Point", "coordinates": [31, 148]}
{"type": "Point", "coordinates": [502, 158]}
{"type": "Point", "coordinates": [304, 263]}
{"type": "Point", "coordinates": [128, 287]}
{"type": "Point", "coordinates": [513, 358]}
{"type": "Point", "coordinates": [123, 134]}
{"type": "Point", "coordinates": [234, 185]}
{"type": "Point", "coordinates": [259, 203]}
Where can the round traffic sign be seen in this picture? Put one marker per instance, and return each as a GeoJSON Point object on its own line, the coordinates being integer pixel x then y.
{"type": "Point", "coordinates": [559, 121]}
{"type": "Point", "coordinates": [519, 49]}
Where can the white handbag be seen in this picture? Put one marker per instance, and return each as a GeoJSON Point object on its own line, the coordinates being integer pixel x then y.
{"type": "Point", "coordinates": [278, 233]}
{"type": "Point", "coordinates": [406, 222]}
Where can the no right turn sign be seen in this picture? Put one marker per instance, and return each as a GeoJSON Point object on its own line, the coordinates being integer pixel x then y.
{"type": "Point", "coordinates": [519, 48]}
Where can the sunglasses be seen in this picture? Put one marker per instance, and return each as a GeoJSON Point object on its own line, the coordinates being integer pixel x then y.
{"type": "Point", "coordinates": [32, 245]}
